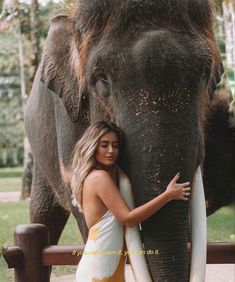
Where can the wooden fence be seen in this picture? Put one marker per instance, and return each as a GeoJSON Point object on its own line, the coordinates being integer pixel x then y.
{"type": "Point", "coordinates": [32, 258]}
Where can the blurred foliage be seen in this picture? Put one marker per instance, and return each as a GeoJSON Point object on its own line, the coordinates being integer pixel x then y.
{"type": "Point", "coordinates": [11, 110]}
{"type": "Point", "coordinates": [220, 36]}
{"type": "Point", "coordinates": [11, 102]}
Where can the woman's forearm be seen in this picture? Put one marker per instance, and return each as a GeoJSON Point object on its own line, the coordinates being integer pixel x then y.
{"type": "Point", "coordinates": [143, 212]}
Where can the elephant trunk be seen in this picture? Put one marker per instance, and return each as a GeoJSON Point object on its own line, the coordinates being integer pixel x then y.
{"type": "Point", "coordinates": [165, 242]}
{"type": "Point", "coordinates": [152, 166]}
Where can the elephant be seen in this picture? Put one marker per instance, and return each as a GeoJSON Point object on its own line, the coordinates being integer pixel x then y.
{"type": "Point", "coordinates": [152, 68]}
{"type": "Point", "coordinates": [219, 162]}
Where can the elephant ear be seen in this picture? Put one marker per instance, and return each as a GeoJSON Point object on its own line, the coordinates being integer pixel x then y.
{"type": "Point", "coordinates": [57, 66]}
{"type": "Point", "coordinates": [219, 162]}
{"type": "Point", "coordinates": [201, 16]}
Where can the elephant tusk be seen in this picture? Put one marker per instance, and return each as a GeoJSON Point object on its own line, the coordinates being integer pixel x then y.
{"type": "Point", "coordinates": [138, 262]}
{"type": "Point", "coordinates": [198, 230]}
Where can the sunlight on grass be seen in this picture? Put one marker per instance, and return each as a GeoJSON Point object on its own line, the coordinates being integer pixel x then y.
{"type": "Point", "coordinates": [11, 172]}
{"type": "Point", "coordinates": [12, 214]}
{"type": "Point", "coordinates": [11, 179]}
{"type": "Point", "coordinates": [10, 184]}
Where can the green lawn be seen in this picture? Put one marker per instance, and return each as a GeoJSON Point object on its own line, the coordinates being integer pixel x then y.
{"type": "Point", "coordinates": [10, 179]}
{"type": "Point", "coordinates": [220, 225]}
{"type": "Point", "coordinates": [10, 172]}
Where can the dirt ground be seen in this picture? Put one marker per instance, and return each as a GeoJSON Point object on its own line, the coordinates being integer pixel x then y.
{"type": "Point", "coordinates": [214, 273]}
{"type": "Point", "coordinates": [9, 197]}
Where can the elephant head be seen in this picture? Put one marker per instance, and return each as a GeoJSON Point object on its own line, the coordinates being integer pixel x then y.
{"type": "Point", "coordinates": [152, 68]}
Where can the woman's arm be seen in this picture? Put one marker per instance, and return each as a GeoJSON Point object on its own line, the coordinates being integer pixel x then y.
{"type": "Point", "coordinates": [107, 191]}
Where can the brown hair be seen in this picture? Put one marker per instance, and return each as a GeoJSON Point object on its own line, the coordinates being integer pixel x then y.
{"type": "Point", "coordinates": [84, 160]}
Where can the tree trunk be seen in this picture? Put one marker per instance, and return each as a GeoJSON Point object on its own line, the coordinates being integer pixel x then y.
{"type": "Point", "coordinates": [28, 170]}
{"type": "Point", "coordinates": [35, 40]}
{"type": "Point", "coordinates": [229, 25]}
{"type": "Point", "coordinates": [35, 57]}
{"type": "Point", "coordinates": [26, 182]}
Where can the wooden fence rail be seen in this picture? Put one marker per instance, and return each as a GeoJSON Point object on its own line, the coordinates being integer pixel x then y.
{"type": "Point", "coordinates": [31, 257]}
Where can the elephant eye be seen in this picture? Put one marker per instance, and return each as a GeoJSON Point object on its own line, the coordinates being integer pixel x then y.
{"type": "Point", "coordinates": [103, 85]}
{"type": "Point", "coordinates": [104, 79]}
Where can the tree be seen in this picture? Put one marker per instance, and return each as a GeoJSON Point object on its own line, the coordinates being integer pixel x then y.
{"type": "Point", "coordinates": [21, 25]}
{"type": "Point", "coordinates": [11, 113]}
{"type": "Point", "coordinates": [229, 24]}
{"type": "Point", "coordinates": [225, 33]}
{"type": "Point", "coordinates": [34, 62]}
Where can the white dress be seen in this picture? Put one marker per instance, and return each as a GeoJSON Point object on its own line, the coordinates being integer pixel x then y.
{"type": "Point", "coordinates": [104, 256]}
{"type": "Point", "coordinates": [108, 245]}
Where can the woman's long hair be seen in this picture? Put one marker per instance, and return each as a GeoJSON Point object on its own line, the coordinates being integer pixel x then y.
{"type": "Point", "coordinates": [84, 161]}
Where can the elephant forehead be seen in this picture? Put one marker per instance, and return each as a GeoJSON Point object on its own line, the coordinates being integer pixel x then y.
{"type": "Point", "coordinates": [173, 11]}
{"type": "Point", "coordinates": [157, 54]}
{"type": "Point", "coordinates": [164, 48]}
{"type": "Point", "coordinates": [122, 23]}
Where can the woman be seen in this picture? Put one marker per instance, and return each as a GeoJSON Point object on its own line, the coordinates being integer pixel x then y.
{"type": "Point", "coordinates": [94, 182]}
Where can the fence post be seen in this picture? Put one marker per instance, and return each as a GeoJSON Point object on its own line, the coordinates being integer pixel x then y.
{"type": "Point", "coordinates": [32, 238]}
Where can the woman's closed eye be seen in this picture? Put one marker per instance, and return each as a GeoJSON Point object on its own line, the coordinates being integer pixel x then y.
{"type": "Point", "coordinates": [104, 146]}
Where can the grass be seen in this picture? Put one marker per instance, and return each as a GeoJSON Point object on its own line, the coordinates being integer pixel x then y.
{"type": "Point", "coordinates": [10, 179]}
{"type": "Point", "coordinates": [10, 172]}
{"type": "Point", "coordinates": [221, 226]}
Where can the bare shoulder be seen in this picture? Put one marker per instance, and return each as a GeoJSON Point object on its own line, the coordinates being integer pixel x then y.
{"type": "Point", "coordinates": [98, 177]}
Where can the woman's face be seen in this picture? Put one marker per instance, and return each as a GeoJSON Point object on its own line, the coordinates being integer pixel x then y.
{"type": "Point", "coordinates": [108, 149]}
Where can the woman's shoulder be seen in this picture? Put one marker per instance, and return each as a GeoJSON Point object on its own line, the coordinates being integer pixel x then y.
{"type": "Point", "coordinates": [97, 175]}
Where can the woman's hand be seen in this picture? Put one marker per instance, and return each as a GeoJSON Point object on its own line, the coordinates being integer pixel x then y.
{"type": "Point", "coordinates": [178, 191]}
